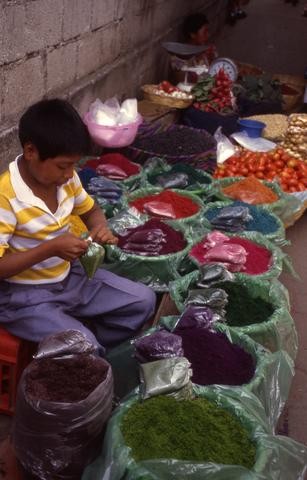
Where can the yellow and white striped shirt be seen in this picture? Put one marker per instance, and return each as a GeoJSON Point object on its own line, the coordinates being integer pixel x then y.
{"type": "Point", "coordinates": [26, 221]}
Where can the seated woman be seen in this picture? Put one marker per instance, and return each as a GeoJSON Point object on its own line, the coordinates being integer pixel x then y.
{"type": "Point", "coordinates": [195, 31]}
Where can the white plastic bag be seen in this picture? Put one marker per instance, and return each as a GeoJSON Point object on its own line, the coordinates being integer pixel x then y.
{"type": "Point", "coordinates": [225, 149]}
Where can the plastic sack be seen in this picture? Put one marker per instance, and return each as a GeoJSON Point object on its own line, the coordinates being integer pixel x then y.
{"type": "Point", "coordinates": [232, 256]}
{"type": "Point", "coordinates": [231, 219]}
{"type": "Point", "coordinates": [158, 345]}
{"type": "Point", "coordinates": [173, 180]}
{"type": "Point", "coordinates": [191, 221]}
{"type": "Point", "coordinates": [105, 188]}
{"type": "Point", "coordinates": [92, 259]}
{"type": "Point", "coordinates": [286, 207]}
{"type": "Point", "coordinates": [257, 211]}
{"type": "Point", "coordinates": [67, 342]}
{"type": "Point", "coordinates": [198, 181]}
{"type": "Point", "coordinates": [110, 112]}
{"type": "Point", "coordinates": [250, 190]}
{"type": "Point", "coordinates": [211, 273]}
{"type": "Point", "coordinates": [258, 144]}
{"type": "Point", "coordinates": [224, 149]}
{"type": "Point", "coordinates": [214, 298]}
{"type": "Point", "coordinates": [279, 260]}
{"type": "Point", "coordinates": [160, 209]}
{"type": "Point", "coordinates": [111, 171]}
{"type": "Point", "coordinates": [277, 457]}
{"type": "Point", "coordinates": [195, 316]}
{"type": "Point", "coordinates": [169, 376]}
{"type": "Point", "coordinates": [277, 333]}
{"type": "Point", "coordinates": [155, 271]}
{"type": "Point", "coordinates": [273, 374]}
{"type": "Point", "coordinates": [55, 439]}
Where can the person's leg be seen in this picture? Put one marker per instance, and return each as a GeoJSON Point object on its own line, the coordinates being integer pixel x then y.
{"type": "Point", "coordinates": [34, 313]}
{"type": "Point", "coordinates": [117, 306]}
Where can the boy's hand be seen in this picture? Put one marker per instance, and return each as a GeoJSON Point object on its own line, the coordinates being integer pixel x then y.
{"type": "Point", "coordinates": [102, 234]}
{"type": "Point", "coordinates": [68, 246]}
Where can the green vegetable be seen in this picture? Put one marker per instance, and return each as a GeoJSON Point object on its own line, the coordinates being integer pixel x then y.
{"type": "Point", "coordinates": [196, 430]}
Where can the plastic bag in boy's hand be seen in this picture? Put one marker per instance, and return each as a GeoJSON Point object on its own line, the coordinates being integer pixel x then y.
{"type": "Point", "coordinates": [92, 259]}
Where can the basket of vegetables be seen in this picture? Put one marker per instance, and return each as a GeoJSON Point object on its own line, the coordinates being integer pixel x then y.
{"type": "Point", "coordinates": [167, 94]}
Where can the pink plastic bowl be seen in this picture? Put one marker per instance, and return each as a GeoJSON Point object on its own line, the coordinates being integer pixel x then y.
{"type": "Point", "coordinates": [113, 137]}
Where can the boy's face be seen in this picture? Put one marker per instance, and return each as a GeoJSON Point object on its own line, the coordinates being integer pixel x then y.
{"type": "Point", "coordinates": [52, 171]}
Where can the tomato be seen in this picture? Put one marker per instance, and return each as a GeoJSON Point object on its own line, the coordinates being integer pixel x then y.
{"type": "Point", "coordinates": [293, 163]}
{"type": "Point", "coordinates": [279, 164]}
{"type": "Point", "coordinates": [260, 174]}
{"type": "Point", "coordinates": [292, 181]}
{"type": "Point", "coordinates": [244, 171]}
{"type": "Point", "coordinates": [301, 187]}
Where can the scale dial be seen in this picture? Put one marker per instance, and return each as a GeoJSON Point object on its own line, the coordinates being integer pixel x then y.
{"type": "Point", "coordinates": [227, 65]}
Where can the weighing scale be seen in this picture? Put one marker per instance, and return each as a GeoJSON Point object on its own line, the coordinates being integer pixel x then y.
{"type": "Point", "coordinates": [226, 64]}
{"type": "Point", "coordinates": [199, 70]}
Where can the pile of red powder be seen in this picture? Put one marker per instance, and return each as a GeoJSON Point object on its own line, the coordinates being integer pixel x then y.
{"type": "Point", "coordinates": [117, 160]}
{"type": "Point", "coordinates": [166, 204]}
{"type": "Point", "coordinates": [259, 259]}
{"type": "Point", "coordinates": [173, 240]}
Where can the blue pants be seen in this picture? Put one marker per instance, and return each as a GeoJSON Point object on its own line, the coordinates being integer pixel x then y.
{"type": "Point", "coordinates": [114, 307]}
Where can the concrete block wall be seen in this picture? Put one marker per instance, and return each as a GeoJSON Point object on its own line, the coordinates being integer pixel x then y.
{"type": "Point", "coordinates": [83, 49]}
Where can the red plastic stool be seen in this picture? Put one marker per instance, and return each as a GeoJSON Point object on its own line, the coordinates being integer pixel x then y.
{"type": "Point", "coordinates": [15, 355]}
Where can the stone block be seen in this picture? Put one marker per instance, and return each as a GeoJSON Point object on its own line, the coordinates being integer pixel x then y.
{"type": "Point", "coordinates": [103, 13]}
{"type": "Point", "coordinates": [23, 85]}
{"type": "Point", "coordinates": [77, 18]}
{"type": "Point", "coordinates": [90, 53]}
{"type": "Point", "coordinates": [12, 33]}
{"type": "Point", "coordinates": [9, 147]}
{"type": "Point", "coordinates": [61, 66]}
{"type": "Point", "coordinates": [136, 30]}
{"type": "Point", "coordinates": [43, 24]}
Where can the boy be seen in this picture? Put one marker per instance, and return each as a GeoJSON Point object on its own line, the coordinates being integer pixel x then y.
{"type": "Point", "coordinates": [43, 288]}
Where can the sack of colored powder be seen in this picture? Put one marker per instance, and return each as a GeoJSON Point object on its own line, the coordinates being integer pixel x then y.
{"type": "Point", "coordinates": [250, 190]}
{"type": "Point", "coordinates": [214, 358]}
{"type": "Point", "coordinates": [166, 204]}
{"type": "Point", "coordinates": [152, 238]}
{"type": "Point", "coordinates": [63, 404]}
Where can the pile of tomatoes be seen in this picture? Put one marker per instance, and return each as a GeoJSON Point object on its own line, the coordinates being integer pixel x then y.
{"type": "Point", "coordinates": [276, 165]}
{"type": "Point", "coordinates": [167, 87]}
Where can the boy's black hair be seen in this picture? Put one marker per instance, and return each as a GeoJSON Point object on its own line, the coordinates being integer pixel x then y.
{"type": "Point", "coordinates": [55, 128]}
{"type": "Point", "coordinates": [193, 23]}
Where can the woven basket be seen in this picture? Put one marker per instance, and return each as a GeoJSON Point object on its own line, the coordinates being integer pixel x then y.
{"type": "Point", "coordinates": [163, 100]}
{"type": "Point", "coordinates": [290, 102]}
{"type": "Point", "coordinates": [291, 80]}
{"type": "Point", "coordinates": [248, 69]}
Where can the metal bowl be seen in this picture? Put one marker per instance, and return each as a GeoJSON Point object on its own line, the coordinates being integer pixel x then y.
{"type": "Point", "coordinates": [183, 49]}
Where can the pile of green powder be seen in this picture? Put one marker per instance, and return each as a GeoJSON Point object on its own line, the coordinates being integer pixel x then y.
{"type": "Point", "coordinates": [243, 309]}
{"type": "Point", "coordinates": [193, 430]}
